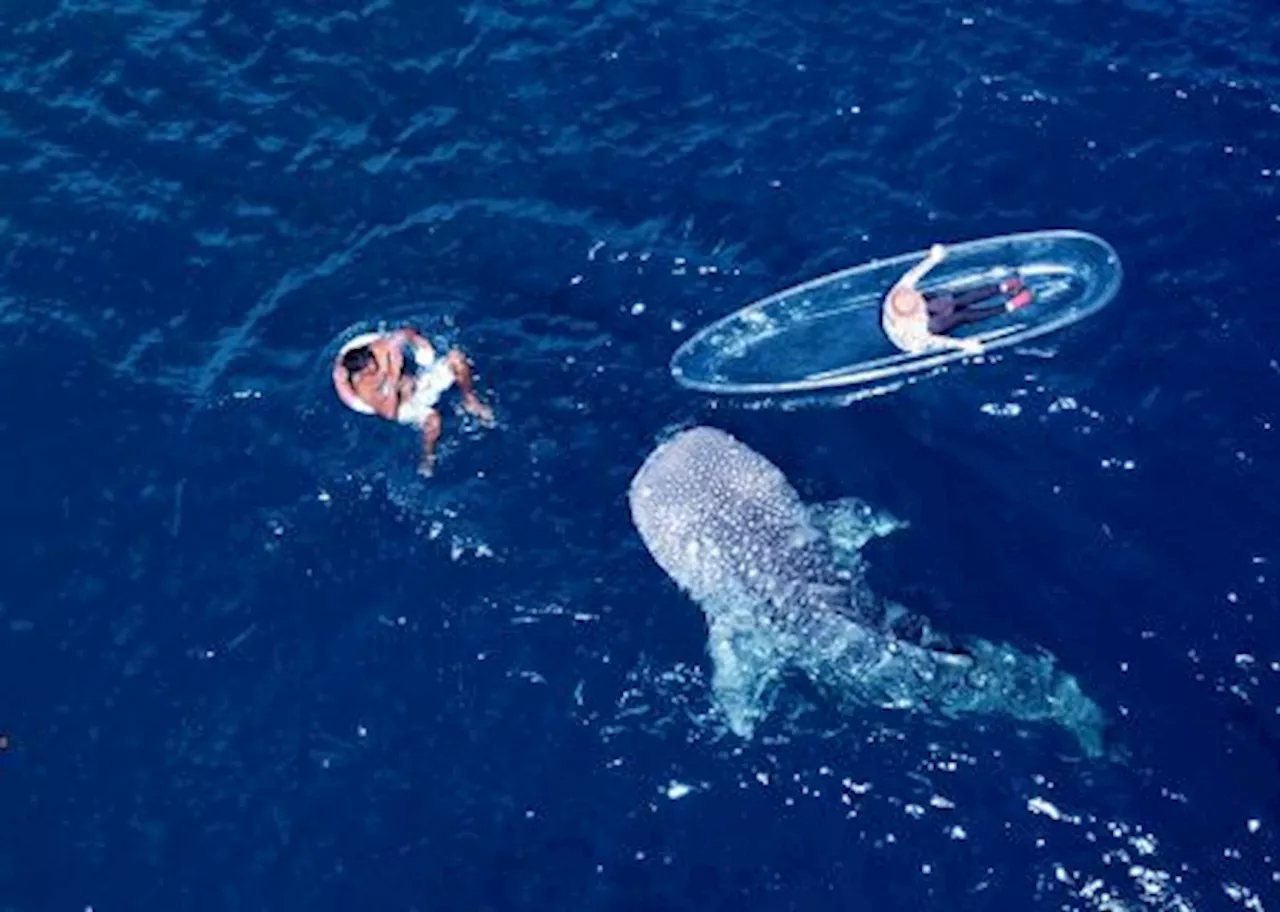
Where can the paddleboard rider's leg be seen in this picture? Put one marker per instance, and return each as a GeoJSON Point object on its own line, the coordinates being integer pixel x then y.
{"type": "Point", "coordinates": [974, 295]}
{"type": "Point", "coordinates": [960, 300]}
{"type": "Point", "coordinates": [945, 324]}
{"type": "Point", "coordinates": [947, 310]}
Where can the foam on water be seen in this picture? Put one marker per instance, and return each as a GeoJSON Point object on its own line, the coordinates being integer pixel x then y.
{"type": "Point", "coordinates": [902, 791]}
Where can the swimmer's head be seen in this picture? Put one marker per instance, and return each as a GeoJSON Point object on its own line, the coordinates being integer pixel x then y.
{"type": "Point", "coordinates": [357, 359]}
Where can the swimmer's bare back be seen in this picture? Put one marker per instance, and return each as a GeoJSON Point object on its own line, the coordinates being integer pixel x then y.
{"type": "Point", "coordinates": [369, 388]}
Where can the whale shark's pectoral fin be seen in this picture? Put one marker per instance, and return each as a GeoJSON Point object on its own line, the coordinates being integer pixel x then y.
{"type": "Point", "coordinates": [746, 663]}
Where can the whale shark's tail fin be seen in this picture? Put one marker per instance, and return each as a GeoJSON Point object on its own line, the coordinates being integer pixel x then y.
{"type": "Point", "coordinates": [974, 678]}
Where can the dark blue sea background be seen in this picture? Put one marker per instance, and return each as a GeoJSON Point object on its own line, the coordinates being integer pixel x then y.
{"type": "Point", "coordinates": [249, 660]}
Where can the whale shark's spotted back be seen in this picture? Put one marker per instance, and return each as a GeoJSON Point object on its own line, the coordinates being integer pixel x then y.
{"type": "Point", "coordinates": [715, 514]}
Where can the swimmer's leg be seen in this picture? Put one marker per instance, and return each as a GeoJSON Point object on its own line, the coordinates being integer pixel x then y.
{"type": "Point", "coordinates": [462, 373]}
{"type": "Point", "coordinates": [430, 436]}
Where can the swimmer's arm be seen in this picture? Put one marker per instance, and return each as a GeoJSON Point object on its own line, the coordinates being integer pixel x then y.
{"type": "Point", "coordinates": [345, 390]}
{"type": "Point", "coordinates": [385, 405]}
{"type": "Point", "coordinates": [418, 340]}
{"type": "Point", "coordinates": [408, 334]}
{"type": "Point", "coordinates": [388, 405]}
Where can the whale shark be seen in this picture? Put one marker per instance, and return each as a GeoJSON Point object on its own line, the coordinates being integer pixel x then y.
{"type": "Point", "coordinates": [783, 589]}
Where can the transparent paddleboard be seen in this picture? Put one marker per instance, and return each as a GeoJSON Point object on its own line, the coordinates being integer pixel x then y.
{"type": "Point", "coordinates": [826, 334]}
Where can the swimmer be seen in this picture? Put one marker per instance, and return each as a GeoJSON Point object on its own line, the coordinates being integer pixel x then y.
{"type": "Point", "coordinates": [399, 377]}
{"type": "Point", "coordinates": [917, 322]}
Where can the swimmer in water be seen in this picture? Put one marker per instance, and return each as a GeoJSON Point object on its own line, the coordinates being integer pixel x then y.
{"type": "Point", "coordinates": [917, 321]}
{"type": "Point", "coordinates": [398, 376]}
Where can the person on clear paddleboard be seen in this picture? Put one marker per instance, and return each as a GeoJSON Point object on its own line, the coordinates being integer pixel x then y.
{"type": "Point", "coordinates": [918, 321]}
{"type": "Point", "coordinates": [398, 376]}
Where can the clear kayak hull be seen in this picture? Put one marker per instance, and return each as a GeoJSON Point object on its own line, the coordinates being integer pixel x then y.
{"type": "Point", "coordinates": [826, 334]}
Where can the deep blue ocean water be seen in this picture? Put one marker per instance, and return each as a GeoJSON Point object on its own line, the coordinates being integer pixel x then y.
{"type": "Point", "coordinates": [249, 660]}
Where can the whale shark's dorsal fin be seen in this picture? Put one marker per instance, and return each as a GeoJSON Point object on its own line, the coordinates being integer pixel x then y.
{"type": "Point", "coordinates": [909, 626]}
{"type": "Point", "coordinates": [848, 524]}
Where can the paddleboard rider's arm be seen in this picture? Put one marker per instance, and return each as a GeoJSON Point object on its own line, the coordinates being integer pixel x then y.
{"type": "Point", "coordinates": [937, 253]}
{"type": "Point", "coordinates": [970, 345]}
